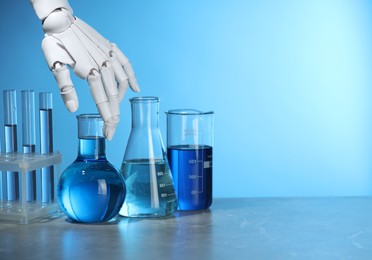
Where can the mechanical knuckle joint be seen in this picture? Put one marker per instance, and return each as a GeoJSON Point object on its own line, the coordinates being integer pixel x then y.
{"type": "Point", "coordinates": [57, 22]}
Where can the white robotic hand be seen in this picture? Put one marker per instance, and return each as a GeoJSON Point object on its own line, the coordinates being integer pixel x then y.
{"type": "Point", "coordinates": [70, 41]}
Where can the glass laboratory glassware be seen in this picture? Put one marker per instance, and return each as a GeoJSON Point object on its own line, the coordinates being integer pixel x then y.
{"type": "Point", "coordinates": [150, 191]}
{"type": "Point", "coordinates": [10, 127]}
{"type": "Point", "coordinates": [189, 149]}
{"type": "Point", "coordinates": [28, 138]}
{"type": "Point", "coordinates": [2, 179]}
{"type": "Point", "coordinates": [46, 144]}
{"type": "Point", "coordinates": [91, 189]}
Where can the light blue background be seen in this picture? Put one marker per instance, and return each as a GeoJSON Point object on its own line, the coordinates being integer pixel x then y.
{"type": "Point", "coordinates": [289, 81]}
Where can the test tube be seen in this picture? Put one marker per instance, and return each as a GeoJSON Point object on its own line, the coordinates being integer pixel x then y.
{"type": "Point", "coordinates": [10, 126]}
{"type": "Point", "coordinates": [2, 180]}
{"type": "Point", "coordinates": [46, 145]}
{"type": "Point", "coordinates": [28, 138]}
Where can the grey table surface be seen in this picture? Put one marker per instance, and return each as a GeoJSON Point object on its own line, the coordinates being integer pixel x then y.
{"type": "Point", "coordinates": [246, 228]}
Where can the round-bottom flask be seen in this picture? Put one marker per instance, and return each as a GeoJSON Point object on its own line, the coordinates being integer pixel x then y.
{"type": "Point", "coordinates": [91, 189]}
{"type": "Point", "coordinates": [150, 190]}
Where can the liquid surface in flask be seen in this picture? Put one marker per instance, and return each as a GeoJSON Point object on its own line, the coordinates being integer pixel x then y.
{"type": "Point", "coordinates": [150, 189]}
{"type": "Point", "coordinates": [91, 189]}
{"type": "Point", "coordinates": [192, 174]}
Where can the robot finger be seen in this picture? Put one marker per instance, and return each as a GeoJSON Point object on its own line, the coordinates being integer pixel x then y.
{"type": "Point", "coordinates": [124, 61]}
{"type": "Point", "coordinates": [103, 106]}
{"type": "Point", "coordinates": [120, 77]}
{"type": "Point", "coordinates": [66, 88]}
{"type": "Point", "coordinates": [109, 84]}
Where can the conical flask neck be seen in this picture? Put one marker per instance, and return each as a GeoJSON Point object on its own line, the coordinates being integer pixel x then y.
{"type": "Point", "coordinates": [92, 144]}
{"type": "Point", "coordinates": [144, 140]}
{"type": "Point", "coordinates": [145, 113]}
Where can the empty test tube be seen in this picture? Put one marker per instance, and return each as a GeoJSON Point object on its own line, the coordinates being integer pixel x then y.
{"type": "Point", "coordinates": [10, 126]}
{"type": "Point", "coordinates": [46, 145]}
{"type": "Point", "coordinates": [28, 138]}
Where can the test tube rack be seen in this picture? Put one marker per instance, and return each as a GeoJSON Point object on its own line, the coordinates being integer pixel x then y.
{"type": "Point", "coordinates": [23, 211]}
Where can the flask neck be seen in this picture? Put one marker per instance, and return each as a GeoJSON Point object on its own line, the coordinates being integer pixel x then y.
{"type": "Point", "coordinates": [145, 115]}
{"type": "Point", "coordinates": [92, 144]}
{"type": "Point", "coordinates": [92, 149]}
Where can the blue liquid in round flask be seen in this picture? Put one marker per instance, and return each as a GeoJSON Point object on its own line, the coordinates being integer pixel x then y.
{"type": "Point", "coordinates": [91, 189]}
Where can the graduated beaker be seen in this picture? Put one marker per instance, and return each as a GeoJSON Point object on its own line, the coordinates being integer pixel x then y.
{"type": "Point", "coordinates": [150, 191]}
{"type": "Point", "coordinates": [190, 149]}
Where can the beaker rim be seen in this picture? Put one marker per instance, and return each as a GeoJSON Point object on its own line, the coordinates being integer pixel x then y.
{"type": "Point", "coordinates": [188, 112]}
{"type": "Point", "coordinates": [87, 116]}
{"type": "Point", "coordinates": [144, 99]}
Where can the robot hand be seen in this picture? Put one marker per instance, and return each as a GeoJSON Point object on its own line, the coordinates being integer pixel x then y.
{"type": "Point", "coordinates": [70, 41]}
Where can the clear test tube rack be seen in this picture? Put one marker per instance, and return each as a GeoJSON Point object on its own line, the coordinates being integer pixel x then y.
{"type": "Point", "coordinates": [22, 211]}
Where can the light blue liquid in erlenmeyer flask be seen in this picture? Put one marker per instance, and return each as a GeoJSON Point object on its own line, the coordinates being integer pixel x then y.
{"type": "Point", "coordinates": [150, 188]}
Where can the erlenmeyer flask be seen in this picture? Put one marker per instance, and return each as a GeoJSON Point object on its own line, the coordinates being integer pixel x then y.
{"type": "Point", "coordinates": [150, 190]}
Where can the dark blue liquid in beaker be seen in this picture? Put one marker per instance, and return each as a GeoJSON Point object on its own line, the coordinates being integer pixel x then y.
{"type": "Point", "coordinates": [91, 190]}
{"type": "Point", "coordinates": [191, 167]}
